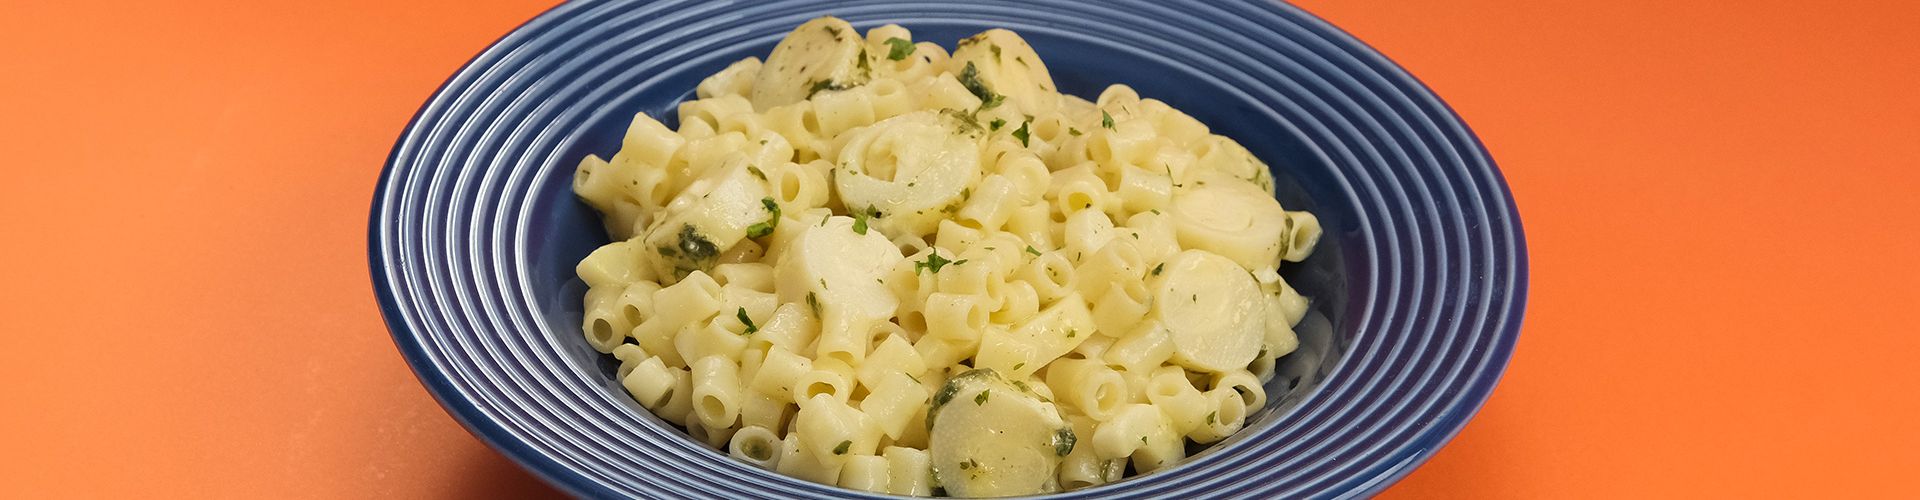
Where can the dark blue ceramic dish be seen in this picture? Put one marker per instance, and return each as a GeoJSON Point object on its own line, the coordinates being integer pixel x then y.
{"type": "Point", "coordinates": [1418, 285]}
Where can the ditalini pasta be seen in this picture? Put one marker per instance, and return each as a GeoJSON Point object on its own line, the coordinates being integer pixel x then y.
{"type": "Point", "coordinates": [872, 263]}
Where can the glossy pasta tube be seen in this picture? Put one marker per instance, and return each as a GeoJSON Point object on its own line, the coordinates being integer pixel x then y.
{"type": "Point", "coordinates": [865, 473]}
{"type": "Point", "coordinates": [1226, 413]}
{"type": "Point", "coordinates": [909, 470]}
{"type": "Point", "coordinates": [779, 373]}
{"type": "Point", "coordinates": [1246, 384]}
{"type": "Point", "coordinates": [602, 320]}
{"type": "Point", "coordinates": [1095, 390]}
{"type": "Point", "coordinates": [756, 445]}
{"type": "Point", "coordinates": [1184, 405]}
{"type": "Point", "coordinates": [717, 392]}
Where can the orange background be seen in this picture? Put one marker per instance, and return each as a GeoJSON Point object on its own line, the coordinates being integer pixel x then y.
{"type": "Point", "coordinates": [1720, 201]}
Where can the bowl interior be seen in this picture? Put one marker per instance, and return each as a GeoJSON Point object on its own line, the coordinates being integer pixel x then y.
{"type": "Point", "coordinates": [563, 230]}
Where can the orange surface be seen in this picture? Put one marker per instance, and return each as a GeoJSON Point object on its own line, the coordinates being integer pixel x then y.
{"type": "Point", "coordinates": [1720, 200]}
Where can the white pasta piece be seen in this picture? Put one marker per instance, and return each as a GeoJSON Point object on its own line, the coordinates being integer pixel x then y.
{"type": "Point", "coordinates": [1078, 189]}
{"type": "Point", "coordinates": [759, 409]}
{"type": "Point", "coordinates": [1088, 386]}
{"type": "Point", "coordinates": [992, 202]}
{"type": "Point", "coordinates": [698, 341]}
{"type": "Point", "coordinates": [1303, 232]}
{"type": "Point", "coordinates": [829, 377]}
{"type": "Point", "coordinates": [602, 320]}
{"type": "Point", "coordinates": [1245, 383]}
{"type": "Point", "coordinates": [1082, 468]}
{"type": "Point", "coordinates": [865, 473]}
{"type": "Point", "coordinates": [833, 431]}
{"type": "Point", "coordinates": [909, 471]}
{"type": "Point", "coordinates": [893, 355]}
{"type": "Point", "coordinates": [756, 445]}
{"type": "Point", "coordinates": [1141, 349]}
{"type": "Point", "coordinates": [1226, 413]}
{"type": "Point", "coordinates": [893, 403]}
{"type": "Point", "coordinates": [798, 461]}
{"type": "Point", "coordinates": [779, 373]}
{"type": "Point", "coordinates": [613, 264]}
{"type": "Point", "coordinates": [1184, 405]}
{"type": "Point", "coordinates": [1051, 333]}
{"type": "Point", "coordinates": [735, 80]}
{"type": "Point", "coordinates": [717, 392]}
{"type": "Point", "coordinates": [1113, 262]}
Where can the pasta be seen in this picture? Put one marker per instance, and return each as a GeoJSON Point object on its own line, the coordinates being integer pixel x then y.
{"type": "Point", "coordinates": [869, 262]}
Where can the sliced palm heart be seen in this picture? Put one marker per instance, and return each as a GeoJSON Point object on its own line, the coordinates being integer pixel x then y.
{"type": "Point", "coordinates": [1226, 215]}
{"type": "Point", "coordinates": [1213, 311]}
{"type": "Point", "coordinates": [821, 55]}
{"type": "Point", "coordinates": [912, 170]}
{"type": "Point", "coordinates": [1003, 64]}
{"type": "Point", "coordinates": [991, 438]}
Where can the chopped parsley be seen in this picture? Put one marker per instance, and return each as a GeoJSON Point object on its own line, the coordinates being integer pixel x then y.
{"type": "Point", "coordinates": [1106, 120]}
{"type": "Point", "coordinates": [1212, 417]}
{"type": "Point", "coordinates": [1032, 251]}
{"type": "Point", "coordinates": [860, 218]}
{"type": "Point", "coordinates": [1073, 332]}
{"type": "Point", "coordinates": [982, 398]}
{"type": "Point", "coordinates": [842, 449]}
{"type": "Point", "coordinates": [933, 263]}
{"type": "Point", "coordinates": [751, 328]}
{"type": "Point", "coordinates": [970, 78]}
{"type": "Point", "coordinates": [996, 123]}
{"type": "Point", "coordinates": [1017, 366]}
{"type": "Point", "coordinates": [899, 48]}
{"type": "Point", "coordinates": [813, 302]}
{"type": "Point", "coordinates": [1157, 268]}
{"type": "Point", "coordinates": [1073, 131]}
{"type": "Point", "coordinates": [1021, 134]}
{"type": "Point", "coordinates": [759, 229]}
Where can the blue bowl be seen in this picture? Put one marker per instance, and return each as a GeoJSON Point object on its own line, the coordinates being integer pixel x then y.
{"type": "Point", "coordinates": [1418, 285]}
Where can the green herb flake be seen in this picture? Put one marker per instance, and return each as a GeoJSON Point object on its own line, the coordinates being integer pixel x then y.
{"type": "Point", "coordinates": [1213, 417]}
{"type": "Point", "coordinates": [860, 219]}
{"type": "Point", "coordinates": [1159, 267]}
{"type": "Point", "coordinates": [842, 449]}
{"type": "Point", "coordinates": [996, 124]}
{"type": "Point", "coordinates": [1155, 211]}
{"type": "Point", "coordinates": [933, 263]}
{"type": "Point", "coordinates": [1073, 332]}
{"type": "Point", "coordinates": [1073, 131]}
{"type": "Point", "coordinates": [1017, 366]}
{"type": "Point", "coordinates": [995, 49]}
{"type": "Point", "coordinates": [765, 228]}
{"type": "Point", "coordinates": [742, 315]}
{"type": "Point", "coordinates": [813, 302]}
{"type": "Point", "coordinates": [899, 48]}
{"type": "Point", "coordinates": [1021, 134]}
{"type": "Point", "coordinates": [970, 78]}
{"type": "Point", "coordinates": [1030, 250]}
{"type": "Point", "coordinates": [982, 398]}
{"type": "Point", "coordinates": [1106, 120]}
